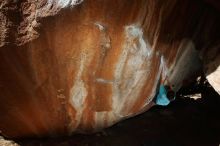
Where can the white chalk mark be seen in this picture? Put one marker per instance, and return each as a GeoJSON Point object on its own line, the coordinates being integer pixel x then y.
{"type": "Point", "coordinates": [132, 69]}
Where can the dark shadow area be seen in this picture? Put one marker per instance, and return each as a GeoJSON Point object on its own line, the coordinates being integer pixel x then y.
{"type": "Point", "coordinates": [185, 122]}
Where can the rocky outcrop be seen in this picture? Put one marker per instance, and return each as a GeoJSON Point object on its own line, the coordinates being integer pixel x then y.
{"type": "Point", "coordinates": [79, 66]}
{"type": "Point", "coordinates": [20, 19]}
{"type": "Point", "coordinates": [4, 142]}
{"type": "Point", "coordinates": [212, 67]}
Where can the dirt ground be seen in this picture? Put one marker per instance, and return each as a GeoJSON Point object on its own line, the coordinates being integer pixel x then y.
{"type": "Point", "coordinates": [185, 122]}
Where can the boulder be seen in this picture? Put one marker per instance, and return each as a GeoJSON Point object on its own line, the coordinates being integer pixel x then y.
{"type": "Point", "coordinates": [69, 66]}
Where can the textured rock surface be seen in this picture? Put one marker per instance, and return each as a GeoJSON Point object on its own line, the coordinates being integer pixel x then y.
{"type": "Point", "coordinates": [4, 142]}
{"type": "Point", "coordinates": [212, 67]}
{"type": "Point", "coordinates": [79, 66]}
{"type": "Point", "coordinates": [185, 122]}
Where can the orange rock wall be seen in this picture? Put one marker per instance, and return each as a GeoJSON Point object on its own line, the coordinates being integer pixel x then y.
{"type": "Point", "coordinates": [81, 68]}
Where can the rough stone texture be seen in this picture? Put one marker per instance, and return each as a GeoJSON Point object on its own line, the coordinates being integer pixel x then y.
{"type": "Point", "coordinates": [185, 122]}
{"type": "Point", "coordinates": [4, 142]}
{"type": "Point", "coordinates": [79, 66]}
{"type": "Point", "coordinates": [20, 19]}
{"type": "Point", "coordinates": [212, 67]}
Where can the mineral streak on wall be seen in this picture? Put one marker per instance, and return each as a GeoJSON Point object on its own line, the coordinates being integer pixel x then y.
{"type": "Point", "coordinates": [78, 66]}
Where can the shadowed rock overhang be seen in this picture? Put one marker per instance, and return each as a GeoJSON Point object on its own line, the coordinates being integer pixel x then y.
{"type": "Point", "coordinates": [79, 66]}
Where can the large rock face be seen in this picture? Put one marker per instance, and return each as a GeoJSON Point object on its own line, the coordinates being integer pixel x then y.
{"type": "Point", "coordinates": [79, 66]}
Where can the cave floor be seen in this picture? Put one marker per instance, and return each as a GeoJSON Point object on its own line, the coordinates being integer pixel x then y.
{"type": "Point", "coordinates": [185, 122]}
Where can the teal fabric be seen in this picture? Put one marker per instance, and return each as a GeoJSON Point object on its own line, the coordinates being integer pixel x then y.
{"type": "Point", "coordinates": [161, 98]}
